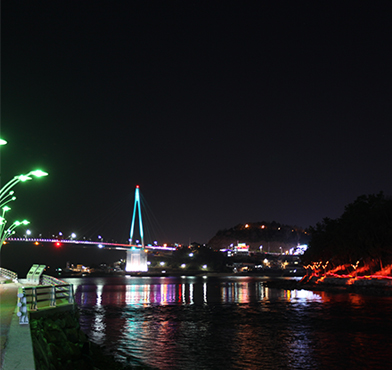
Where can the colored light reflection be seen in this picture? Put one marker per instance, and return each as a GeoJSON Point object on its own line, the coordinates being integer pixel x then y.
{"type": "Point", "coordinates": [183, 291]}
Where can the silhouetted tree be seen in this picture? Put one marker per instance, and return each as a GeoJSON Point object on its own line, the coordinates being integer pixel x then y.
{"type": "Point", "coordinates": [363, 232]}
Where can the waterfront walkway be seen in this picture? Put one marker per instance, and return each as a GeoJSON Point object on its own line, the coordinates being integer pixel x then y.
{"type": "Point", "coordinates": [16, 343]}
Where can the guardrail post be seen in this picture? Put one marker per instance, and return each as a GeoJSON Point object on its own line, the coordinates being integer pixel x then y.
{"type": "Point", "coordinates": [70, 294]}
{"type": "Point", "coordinates": [52, 296]}
{"type": "Point", "coordinates": [22, 304]}
{"type": "Point", "coordinates": [33, 306]}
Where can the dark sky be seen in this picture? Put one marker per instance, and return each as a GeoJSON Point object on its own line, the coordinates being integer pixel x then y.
{"type": "Point", "coordinates": [223, 112]}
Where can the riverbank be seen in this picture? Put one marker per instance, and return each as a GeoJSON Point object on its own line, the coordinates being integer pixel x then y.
{"type": "Point", "coordinates": [179, 273]}
{"type": "Point", "coordinates": [380, 287]}
{"type": "Point", "coordinates": [60, 344]}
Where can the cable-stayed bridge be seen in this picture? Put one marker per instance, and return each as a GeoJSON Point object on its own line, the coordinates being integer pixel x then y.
{"type": "Point", "coordinates": [91, 243]}
{"type": "Point", "coordinates": [136, 260]}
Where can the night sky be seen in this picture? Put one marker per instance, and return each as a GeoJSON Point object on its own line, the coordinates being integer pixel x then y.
{"type": "Point", "coordinates": [223, 112]}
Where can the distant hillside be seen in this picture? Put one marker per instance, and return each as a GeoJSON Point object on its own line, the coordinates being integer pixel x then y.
{"type": "Point", "coordinates": [272, 236]}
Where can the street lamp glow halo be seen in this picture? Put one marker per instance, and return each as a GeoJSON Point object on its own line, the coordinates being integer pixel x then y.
{"type": "Point", "coordinates": [38, 173]}
{"type": "Point", "coordinates": [24, 178]}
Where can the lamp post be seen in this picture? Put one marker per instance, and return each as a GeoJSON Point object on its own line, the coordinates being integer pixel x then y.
{"type": "Point", "coordinates": [10, 184]}
{"type": "Point", "coordinates": [7, 233]}
{"type": "Point", "coordinates": [6, 196]}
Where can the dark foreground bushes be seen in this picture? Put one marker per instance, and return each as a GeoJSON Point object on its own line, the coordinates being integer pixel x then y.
{"type": "Point", "coordinates": [59, 344]}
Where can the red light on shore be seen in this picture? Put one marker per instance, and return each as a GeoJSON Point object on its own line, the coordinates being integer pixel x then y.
{"type": "Point", "coordinates": [58, 244]}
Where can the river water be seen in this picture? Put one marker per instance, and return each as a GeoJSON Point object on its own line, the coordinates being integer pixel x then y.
{"type": "Point", "coordinates": [233, 323]}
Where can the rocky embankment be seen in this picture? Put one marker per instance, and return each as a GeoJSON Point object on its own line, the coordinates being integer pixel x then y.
{"type": "Point", "coordinates": [59, 344]}
{"type": "Point", "coordinates": [374, 286]}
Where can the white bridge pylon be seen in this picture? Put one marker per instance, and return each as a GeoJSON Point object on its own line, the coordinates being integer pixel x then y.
{"type": "Point", "coordinates": [136, 256]}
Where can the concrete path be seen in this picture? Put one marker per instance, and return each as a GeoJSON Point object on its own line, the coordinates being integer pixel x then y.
{"type": "Point", "coordinates": [8, 297]}
{"type": "Point", "coordinates": [16, 344]}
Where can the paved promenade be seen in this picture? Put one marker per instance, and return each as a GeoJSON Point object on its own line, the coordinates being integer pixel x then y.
{"type": "Point", "coordinates": [16, 344]}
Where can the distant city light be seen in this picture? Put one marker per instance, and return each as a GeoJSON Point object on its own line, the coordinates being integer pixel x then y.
{"type": "Point", "coordinates": [299, 249]}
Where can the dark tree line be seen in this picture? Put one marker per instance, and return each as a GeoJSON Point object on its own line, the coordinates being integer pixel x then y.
{"type": "Point", "coordinates": [362, 233]}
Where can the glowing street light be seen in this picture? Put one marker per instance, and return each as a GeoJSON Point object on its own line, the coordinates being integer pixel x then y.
{"type": "Point", "coordinates": [3, 221]}
{"type": "Point", "coordinates": [7, 233]}
{"type": "Point", "coordinates": [7, 195]}
{"type": "Point", "coordinates": [2, 142]}
{"type": "Point", "coordinates": [5, 192]}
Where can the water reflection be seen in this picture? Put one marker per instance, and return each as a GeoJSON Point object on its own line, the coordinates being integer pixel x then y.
{"type": "Point", "coordinates": [233, 323]}
{"type": "Point", "coordinates": [181, 291]}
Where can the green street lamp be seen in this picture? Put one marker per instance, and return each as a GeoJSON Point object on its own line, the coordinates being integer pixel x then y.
{"type": "Point", "coordinates": [5, 189]}
{"type": "Point", "coordinates": [3, 221]}
{"type": "Point", "coordinates": [6, 196]}
{"type": "Point", "coordinates": [11, 230]}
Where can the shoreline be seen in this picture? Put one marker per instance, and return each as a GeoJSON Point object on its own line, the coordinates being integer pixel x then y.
{"type": "Point", "coordinates": [266, 273]}
{"type": "Point", "coordinates": [277, 279]}
{"type": "Point", "coordinates": [377, 287]}
{"type": "Point", "coordinates": [59, 343]}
